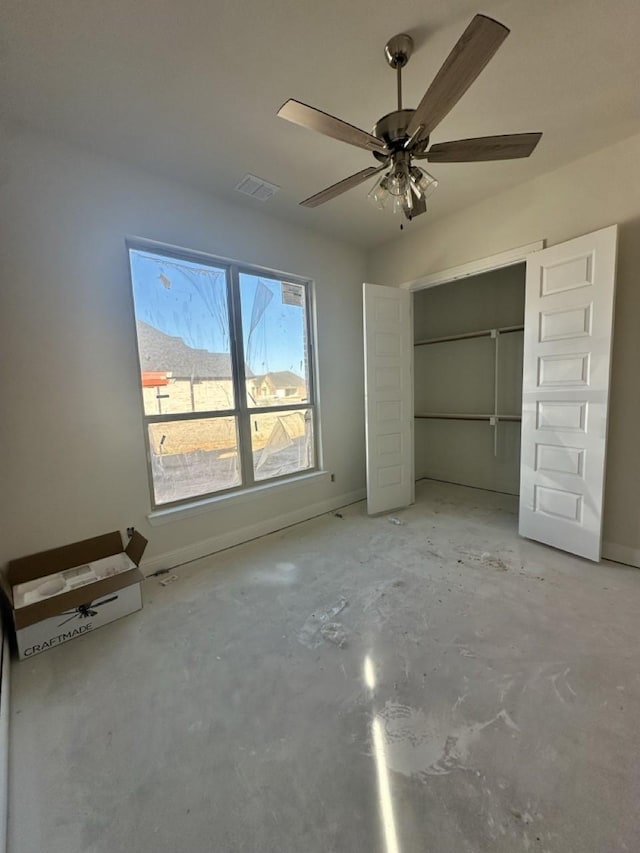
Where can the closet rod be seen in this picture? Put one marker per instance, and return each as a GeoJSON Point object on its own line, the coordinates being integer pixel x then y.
{"type": "Point", "coordinates": [483, 333]}
{"type": "Point", "coordinates": [454, 416]}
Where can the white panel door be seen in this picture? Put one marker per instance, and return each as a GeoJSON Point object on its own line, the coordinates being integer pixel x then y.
{"type": "Point", "coordinates": [567, 354]}
{"type": "Point", "coordinates": [388, 352]}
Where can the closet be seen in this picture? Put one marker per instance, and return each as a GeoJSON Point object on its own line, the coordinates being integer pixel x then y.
{"type": "Point", "coordinates": [501, 384]}
{"type": "Point", "coordinates": [468, 354]}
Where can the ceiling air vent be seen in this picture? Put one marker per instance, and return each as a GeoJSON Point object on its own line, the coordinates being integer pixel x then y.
{"type": "Point", "coordinates": [256, 188]}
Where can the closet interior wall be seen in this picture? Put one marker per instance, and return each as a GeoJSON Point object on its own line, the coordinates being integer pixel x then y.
{"type": "Point", "coordinates": [457, 377]}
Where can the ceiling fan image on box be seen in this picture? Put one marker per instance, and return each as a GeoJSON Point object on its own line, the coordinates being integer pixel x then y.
{"type": "Point", "coordinates": [86, 611]}
{"type": "Point", "coordinates": [402, 137]}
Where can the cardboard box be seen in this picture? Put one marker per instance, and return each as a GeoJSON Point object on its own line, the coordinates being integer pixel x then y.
{"type": "Point", "coordinates": [56, 596]}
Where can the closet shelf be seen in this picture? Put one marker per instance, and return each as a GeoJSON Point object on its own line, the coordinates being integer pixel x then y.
{"type": "Point", "coordinates": [458, 416]}
{"type": "Point", "coordinates": [483, 333]}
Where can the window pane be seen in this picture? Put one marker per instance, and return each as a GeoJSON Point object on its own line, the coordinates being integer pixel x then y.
{"type": "Point", "coordinates": [282, 443]}
{"type": "Point", "coordinates": [274, 328]}
{"type": "Point", "coordinates": [193, 457]}
{"type": "Point", "coordinates": [182, 321]}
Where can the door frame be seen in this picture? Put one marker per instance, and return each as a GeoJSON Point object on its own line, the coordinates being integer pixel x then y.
{"type": "Point", "coordinates": [481, 265]}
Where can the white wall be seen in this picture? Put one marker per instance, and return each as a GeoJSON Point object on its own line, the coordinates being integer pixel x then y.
{"type": "Point", "coordinates": [590, 193]}
{"type": "Point", "coordinates": [71, 437]}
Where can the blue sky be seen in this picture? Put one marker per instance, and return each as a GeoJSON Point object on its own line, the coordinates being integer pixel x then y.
{"type": "Point", "coordinates": [188, 300]}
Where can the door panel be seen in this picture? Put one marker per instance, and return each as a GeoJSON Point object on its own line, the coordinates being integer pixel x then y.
{"type": "Point", "coordinates": [567, 355]}
{"type": "Point", "coordinates": [388, 346]}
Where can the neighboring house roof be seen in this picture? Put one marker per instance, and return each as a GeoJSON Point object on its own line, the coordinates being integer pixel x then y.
{"type": "Point", "coordinates": [280, 379]}
{"type": "Point", "coordinates": [170, 354]}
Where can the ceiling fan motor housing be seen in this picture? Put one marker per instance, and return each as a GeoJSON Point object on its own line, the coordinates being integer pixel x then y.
{"type": "Point", "coordinates": [392, 128]}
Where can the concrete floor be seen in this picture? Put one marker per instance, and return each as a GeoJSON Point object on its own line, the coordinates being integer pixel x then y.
{"type": "Point", "coordinates": [346, 685]}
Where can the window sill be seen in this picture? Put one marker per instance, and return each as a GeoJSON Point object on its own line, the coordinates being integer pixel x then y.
{"type": "Point", "coordinates": [200, 507]}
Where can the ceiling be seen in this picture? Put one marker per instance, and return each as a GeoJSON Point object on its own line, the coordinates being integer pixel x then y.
{"type": "Point", "coordinates": [191, 89]}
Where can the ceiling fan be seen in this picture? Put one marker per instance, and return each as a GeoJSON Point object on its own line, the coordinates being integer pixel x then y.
{"type": "Point", "coordinates": [402, 136]}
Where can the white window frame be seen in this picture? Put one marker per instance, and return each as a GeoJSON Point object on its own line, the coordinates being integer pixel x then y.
{"type": "Point", "coordinates": [242, 411]}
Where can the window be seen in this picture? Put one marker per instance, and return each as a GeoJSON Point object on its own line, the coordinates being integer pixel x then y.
{"type": "Point", "coordinates": [221, 346]}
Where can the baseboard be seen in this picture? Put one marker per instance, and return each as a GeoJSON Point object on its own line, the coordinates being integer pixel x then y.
{"type": "Point", "coordinates": [465, 485]}
{"type": "Point", "coordinates": [204, 548]}
{"type": "Point", "coordinates": [621, 554]}
{"type": "Point", "coordinates": [5, 668]}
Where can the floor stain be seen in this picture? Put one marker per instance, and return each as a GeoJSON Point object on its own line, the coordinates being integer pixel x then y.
{"type": "Point", "coordinates": [420, 745]}
{"type": "Point", "coordinates": [311, 635]}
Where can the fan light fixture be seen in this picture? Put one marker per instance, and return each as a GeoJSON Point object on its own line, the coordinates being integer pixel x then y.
{"type": "Point", "coordinates": [402, 190]}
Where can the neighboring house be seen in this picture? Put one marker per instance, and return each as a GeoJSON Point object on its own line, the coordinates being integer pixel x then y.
{"type": "Point", "coordinates": [281, 385]}
{"type": "Point", "coordinates": [177, 378]}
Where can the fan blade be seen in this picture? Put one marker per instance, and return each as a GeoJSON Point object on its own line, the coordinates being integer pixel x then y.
{"type": "Point", "coordinates": [341, 187]}
{"type": "Point", "coordinates": [472, 52]}
{"type": "Point", "coordinates": [314, 119]}
{"type": "Point", "coordinates": [511, 146]}
{"type": "Point", "coordinates": [104, 601]}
